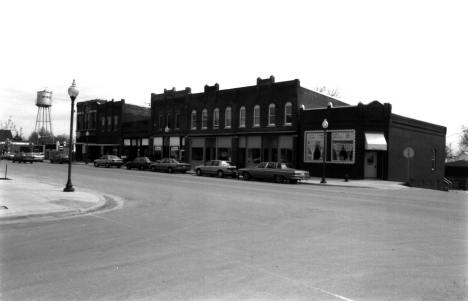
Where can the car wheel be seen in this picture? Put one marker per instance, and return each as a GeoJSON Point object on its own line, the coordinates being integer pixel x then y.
{"type": "Point", "coordinates": [95, 164]}
{"type": "Point", "coordinates": [141, 167]}
{"type": "Point", "coordinates": [246, 176]}
{"type": "Point", "coordinates": [220, 174]}
{"type": "Point", "coordinates": [292, 181]}
{"type": "Point", "coordinates": [31, 162]}
{"type": "Point", "coordinates": [118, 166]}
{"type": "Point", "coordinates": [279, 179]}
{"type": "Point", "coordinates": [169, 170]}
{"type": "Point", "coordinates": [129, 167]}
{"type": "Point", "coordinates": [199, 173]}
{"type": "Point", "coordinates": [153, 169]}
{"type": "Point", "coordinates": [107, 165]}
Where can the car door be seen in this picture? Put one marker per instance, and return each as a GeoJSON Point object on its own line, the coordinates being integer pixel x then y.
{"type": "Point", "coordinates": [206, 167]}
{"type": "Point", "coordinates": [269, 171]}
{"type": "Point", "coordinates": [214, 167]}
{"type": "Point", "coordinates": [258, 171]}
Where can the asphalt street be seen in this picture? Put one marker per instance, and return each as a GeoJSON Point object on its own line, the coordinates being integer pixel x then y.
{"type": "Point", "coordinates": [183, 237]}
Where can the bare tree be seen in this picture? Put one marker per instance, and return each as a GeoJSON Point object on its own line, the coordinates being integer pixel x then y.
{"type": "Point", "coordinates": [463, 144]}
{"type": "Point", "coordinates": [9, 125]}
{"type": "Point", "coordinates": [333, 92]}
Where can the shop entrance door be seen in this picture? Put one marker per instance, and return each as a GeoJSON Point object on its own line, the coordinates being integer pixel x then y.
{"type": "Point", "coordinates": [370, 165]}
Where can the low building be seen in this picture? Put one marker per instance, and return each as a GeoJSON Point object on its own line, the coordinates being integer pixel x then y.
{"type": "Point", "coordinates": [369, 141]}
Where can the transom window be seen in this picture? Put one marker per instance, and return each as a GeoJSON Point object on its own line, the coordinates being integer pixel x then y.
{"type": "Point", "coordinates": [228, 117]}
{"type": "Point", "coordinates": [242, 117]}
{"type": "Point", "coordinates": [257, 116]}
{"type": "Point", "coordinates": [288, 114]}
{"type": "Point", "coordinates": [271, 114]}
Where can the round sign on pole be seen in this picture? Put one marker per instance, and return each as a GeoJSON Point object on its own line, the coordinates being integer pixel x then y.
{"type": "Point", "coordinates": [408, 152]}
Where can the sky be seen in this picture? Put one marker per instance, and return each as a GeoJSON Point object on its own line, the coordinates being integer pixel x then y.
{"type": "Point", "coordinates": [412, 54]}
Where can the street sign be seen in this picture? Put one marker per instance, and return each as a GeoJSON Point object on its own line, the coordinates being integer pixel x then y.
{"type": "Point", "coordinates": [408, 152]}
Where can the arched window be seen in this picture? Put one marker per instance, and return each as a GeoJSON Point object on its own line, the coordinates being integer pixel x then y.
{"type": "Point", "coordinates": [242, 117]}
{"type": "Point", "coordinates": [227, 117]}
{"type": "Point", "coordinates": [103, 124]}
{"type": "Point", "coordinates": [271, 114]}
{"type": "Point", "coordinates": [288, 114]}
{"type": "Point", "coordinates": [216, 118]}
{"type": "Point", "coordinates": [194, 120]}
{"type": "Point", "coordinates": [204, 119]}
{"type": "Point", "coordinates": [116, 119]}
{"type": "Point", "coordinates": [256, 116]}
{"type": "Point", "coordinates": [109, 123]}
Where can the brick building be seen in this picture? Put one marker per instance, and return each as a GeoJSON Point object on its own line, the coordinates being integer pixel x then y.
{"type": "Point", "coordinates": [110, 127]}
{"type": "Point", "coordinates": [247, 125]}
{"type": "Point", "coordinates": [369, 141]}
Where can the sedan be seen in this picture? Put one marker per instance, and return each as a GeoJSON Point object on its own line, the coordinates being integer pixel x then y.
{"type": "Point", "coordinates": [22, 158]}
{"type": "Point", "coordinates": [7, 156]}
{"type": "Point", "coordinates": [38, 157]}
{"type": "Point", "coordinates": [60, 158]}
{"type": "Point", "coordinates": [108, 161]}
{"type": "Point", "coordinates": [278, 172]}
{"type": "Point", "coordinates": [217, 167]}
{"type": "Point", "coordinates": [141, 163]}
{"type": "Point", "coordinates": [170, 165]}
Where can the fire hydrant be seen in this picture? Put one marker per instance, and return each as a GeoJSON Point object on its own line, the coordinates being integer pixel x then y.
{"type": "Point", "coordinates": [346, 177]}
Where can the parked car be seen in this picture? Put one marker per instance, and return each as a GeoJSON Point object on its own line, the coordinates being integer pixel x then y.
{"type": "Point", "coordinates": [170, 165]}
{"type": "Point", "coordinates": [7, 156]}
{"type": "Point", "coordinates": [140, 162]}
{"type": "Point", "coordinates": [22, 158]}
{"type": "Point", "coordinates": [220, 168]}
{"type": "Point", "coordinates": [59, 158]}
{"type": "Point", "coordinates": [278, 172]}
{"type": "Point", "coordinates": [38, 157]}
{"type": "Point", "coordinates": [108, 161]}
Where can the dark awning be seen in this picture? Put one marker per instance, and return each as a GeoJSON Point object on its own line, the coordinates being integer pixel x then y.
{"type": "Point", "coordinates": [376, 141]}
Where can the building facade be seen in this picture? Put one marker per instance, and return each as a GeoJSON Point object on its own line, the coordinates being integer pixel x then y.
{"type": "Point", "coordinates": [369, 141]}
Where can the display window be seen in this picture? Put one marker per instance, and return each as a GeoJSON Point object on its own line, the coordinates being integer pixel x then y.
{"type": "Point", "coordinates": [342, 144]}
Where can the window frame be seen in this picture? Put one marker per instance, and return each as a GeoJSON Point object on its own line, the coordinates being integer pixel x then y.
{"type": "Point", "coordinates": [204, 119]}
{"type": "Point", "coordinates": [116, 118]}
{"type": "Point", "coordinates": [194, 120]}
{"type": "Point", "coordinates": [216, 118]}
{"type": "Point", "coordinates": [286, 106]}
{"type": "Point", "coordinates": [256, 109]}
{"type": "Point", "coordinates": [228, 118]}
{"type": "Point", "coordinates": [242, 118]}
{"type": "Point", "coordinates": [270, 123]}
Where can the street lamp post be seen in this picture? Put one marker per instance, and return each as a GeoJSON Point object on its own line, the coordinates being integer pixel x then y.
{"type": "Point", "coordinates": [325, 126]}
{"type": "Point", "coordinates": [73, 92]}
{"type": "Point", "coordinates": [87, 149]}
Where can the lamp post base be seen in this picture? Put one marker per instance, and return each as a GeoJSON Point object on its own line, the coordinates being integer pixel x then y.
{"type": "Point", "coordinates": [323, 181]}
{"type": "Point", "coordinates": [69, 187]}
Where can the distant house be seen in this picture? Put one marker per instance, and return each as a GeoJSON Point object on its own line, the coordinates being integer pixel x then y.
{"type": "Point", "coordinates": [457, 173]}
{"type": "Point", "coordinates": [463, 156]}
{"type": "Point", "coordinates": [5, 134]}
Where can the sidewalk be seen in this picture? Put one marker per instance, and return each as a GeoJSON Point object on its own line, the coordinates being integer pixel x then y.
{"type": "Point", "coordinates": [22, 198]}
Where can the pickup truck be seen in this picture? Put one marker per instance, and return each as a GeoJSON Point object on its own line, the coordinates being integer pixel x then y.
{"type": "Point", "coordinates": [23, 158]}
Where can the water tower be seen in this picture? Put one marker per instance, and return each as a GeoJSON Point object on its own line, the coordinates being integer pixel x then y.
{"type": "Point", "coordinates": [44, 120]}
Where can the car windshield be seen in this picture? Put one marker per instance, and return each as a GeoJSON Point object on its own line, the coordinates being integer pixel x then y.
{"type": "Point", "coordinates": [113, 157]}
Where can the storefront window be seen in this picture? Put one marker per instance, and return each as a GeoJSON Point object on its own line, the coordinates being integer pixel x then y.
{"type": "Point", "coordinates": [224, 153]}
{"type": "Point", "coordinates": [286, 155]}
{"type": "Point", "coordinates": [197, 153]}
{"type": "Point", "coordinates": [342, 146]}
{"type": "Point", "coordinates": [174, 152]}
{"type": "Point", "coordinates": [314, 146]}
{"type": "Point", "coordinates": [157, 152]}
{"type": "Point", "coordinates": [253, 155]}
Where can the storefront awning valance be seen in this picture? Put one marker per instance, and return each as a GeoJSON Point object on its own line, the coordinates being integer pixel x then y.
{"type": "Point", "coordinates": [376, 141]}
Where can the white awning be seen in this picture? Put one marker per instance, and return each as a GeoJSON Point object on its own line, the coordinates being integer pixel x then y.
{"type": "Point", "coordinates": [376, 141]}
